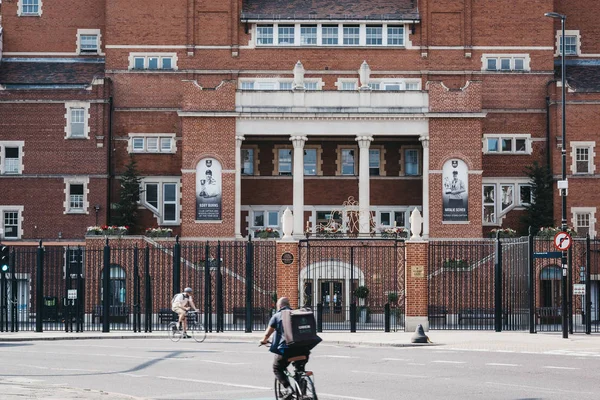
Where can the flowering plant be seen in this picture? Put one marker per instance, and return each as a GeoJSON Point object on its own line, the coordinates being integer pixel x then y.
{"type": "Point", "coordinates": [107, 230]}
{"type": "Point", "coordinates": [503, 232]}
{"type": "Point", "coordinates": [550, 232]}
{"type": "Point", "coordinates": [396, 231]}
{"type": "Point", "coordinates": [329, 230]}
{"type": "Point", "coordinates": [266, 233]}
{"type": "Point", "coordinates": [159, 232]}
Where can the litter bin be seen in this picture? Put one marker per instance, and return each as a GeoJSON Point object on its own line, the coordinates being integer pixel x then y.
{"type": "Point", "coordinates": [50, 308]}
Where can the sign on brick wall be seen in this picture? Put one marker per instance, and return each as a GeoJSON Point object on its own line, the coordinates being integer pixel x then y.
{"type": "Point", "coordinates": [455, 192]}
{"type": "Point", "coordinates": [208, 190]}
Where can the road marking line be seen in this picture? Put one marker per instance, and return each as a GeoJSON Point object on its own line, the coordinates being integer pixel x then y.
{"type": "Point", "coordinates": [448, 362]}
{"type": "Point", "coordinates": [552, 390]}
{"type": "Point", "coordinates": [502, 365]}
{"type": "Point", "coordinates": [389, 374]}
{"type": "Point", "coordinates": [553, 367]}
{"type": "Point", "coordinates": [415, 364]}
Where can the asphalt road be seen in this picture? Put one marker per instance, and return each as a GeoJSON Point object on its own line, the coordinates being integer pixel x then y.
{"type": "Point", "coordinates": [228, 370]}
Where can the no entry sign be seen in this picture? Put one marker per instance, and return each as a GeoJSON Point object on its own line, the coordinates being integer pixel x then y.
{"type": "Point", "coordinates": [562, 241]}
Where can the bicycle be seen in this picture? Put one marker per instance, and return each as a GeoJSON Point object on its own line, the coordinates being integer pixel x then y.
{"type": "Point", "coordinates": [195, 328]}
{"type": "Point", "coordinates": [301, 383]}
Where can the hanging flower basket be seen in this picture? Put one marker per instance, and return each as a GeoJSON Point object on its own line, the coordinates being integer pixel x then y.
{"type": "Point", "coordinates": [550, 232]}
{"type": "Point", "coordinates": [159, 232]}
{"type": "Point", "coordinates": [266, 233]}
{"type": "Point", "coordinates": [503, 233]}
{"type": "Point", "coordinates": [397, 232]}
{"type": "Point", "coordinates": [107, 230]}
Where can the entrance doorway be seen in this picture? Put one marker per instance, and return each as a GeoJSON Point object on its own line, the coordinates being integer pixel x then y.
{"type": "Point", "coordinates": [332, 297]}
{"type": "Point", "coordinates": [550, 288]}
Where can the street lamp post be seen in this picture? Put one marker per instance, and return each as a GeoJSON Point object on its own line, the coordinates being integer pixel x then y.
{"type": "Point", "coordinates": [562, 184]}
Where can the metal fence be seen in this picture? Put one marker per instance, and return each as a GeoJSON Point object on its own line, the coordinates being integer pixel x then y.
{"type": "Point", "coordinates": [63, 288]}
{"type": "Point", "coordinates": [353, 284]}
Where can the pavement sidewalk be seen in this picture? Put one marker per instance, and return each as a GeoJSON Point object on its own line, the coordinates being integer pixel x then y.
{"type": "Point", "coordinates": [463, 340]}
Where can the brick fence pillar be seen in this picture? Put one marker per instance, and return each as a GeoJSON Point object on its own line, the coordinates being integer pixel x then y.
{"type": "Point", "coordinates": [416, 285]}
{"type": "Point", "coordinates": [287, 271]}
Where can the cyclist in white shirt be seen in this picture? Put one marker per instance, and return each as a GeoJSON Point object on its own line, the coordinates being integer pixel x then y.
{"type": "Point", "coordinates": [181, 304]}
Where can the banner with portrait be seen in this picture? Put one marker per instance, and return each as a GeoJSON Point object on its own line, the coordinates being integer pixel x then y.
{"type": "Point", "coordinates": [208, 190]}
{"type": "Point", "coordinates": [455, 191]}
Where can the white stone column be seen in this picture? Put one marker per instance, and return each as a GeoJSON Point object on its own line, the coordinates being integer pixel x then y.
{"type": "Point", "coordinates": [425, 142]}
{"type": "Point", "coordinates": [298, 176]}
{"type": "Point", "coordinates": [238, 186]}
{"type": "Point", "coordinates": [364, 219]}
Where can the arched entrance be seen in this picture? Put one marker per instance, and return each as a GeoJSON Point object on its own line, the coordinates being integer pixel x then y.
{"type": "Point", "coordinates": [550, 295]}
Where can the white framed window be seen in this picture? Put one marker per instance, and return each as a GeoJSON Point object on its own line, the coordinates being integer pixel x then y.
{"type": "Point", "coordinates": [411, 161]}
{"type": "Point", "coordinates": [525, 195]}
{"type": "Point", "coordinates": [310, 161]}
{"type": "Point", "coordinates": [347, 84]}
{"type": "Point", "coordinates": [262, 219]}
{"type": "Point", "coordinates": [395, 84]}
{"type": "Point", "coordinates": [27, 8]}
{"type": "Point", "coordinates": [329, 35]}
{"type": "Point", "coordinates": [505, 62]}
{"type": "Point", "coordinates": [264, 34]}
{"type": "Point", "coordinates": [11, 157]}
{"type": "Point", "coordinates": [163, 143]}
{"type": "Point", "coordinates": [249, 160]}
{"type": "Point", "coordinates": [374, 35]}
{"type": "Point", "coordinates": [277, 84]}
{"type": "Point", "coordinates": [395, 35]}
{"type": "Point", "coordinates": [308, 35]}
{"type": "Point", "coordinates": [572, 43]}
{"type": "Point", "coordinates": [374, 162]}
{"type": "Point", "coordinates": [390, 218]}
{"type": "Point", "coordinates": [583, 158]}
{"type": "Point", "coordinates": [162, 196]}
{"type": "Point", "coordinates": [489, 204]}
{"type": "Point", "coordinates": [347, 161]}
{"type": "Point", "coordinates": [499, 197]}
{"type": "Point", "coordinates": [284, 161]}
{"type": "Point", "coordinates": [77, 117]}
{"type": "Point", "coordinates": [76, 195]}
{"type": "Point", "coordinates": [153, 61]}
{"type": "Point", "coordinates": [88, 41]}
{"type": "Point", "coordinates": [285, 35]}
{"type": "Point", "coordinates": [584, 220]}
{"type": "Point", "coordinates": [507, 144]}
{"type": "Point", "coordinates": [12, 222]}
{"type": "Point", "coordinates": [375, 85]}
{"type": "Point", "coordinates": [351, 35]}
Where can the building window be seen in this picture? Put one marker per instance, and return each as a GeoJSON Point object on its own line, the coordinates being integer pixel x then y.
{"type": "Point", "coordinates": [489, 204]}
{"type": "Point", "coordinates": [276, 84]}
{"type": "Point", "coordinates": [308, 35]}
{"type": "Point", "coordinates": [11, 157]}
{"type": "Point", "coordinates": [247, 161]}
{"type": "Point", "coordinates": [584, 221]}
{"type": "Point", "coordinates": [391, 218]}
{"type": "Point", "coordinates": [582, 156]}
{"type": "Point", "coordinates": [351, 35]}
{"type": "Point", "coordinates": [525, 195]}
{"type": "Point", "coordinates": [347, 84]}
{"type": "Point", "coordinates": [162, 198]}
{"type": "Point", "coordinates": [284, 161]}
{"type": "Point", "coordinates": [374, 162]}
{"type": "Point", "coordinates": [264, 34]}
{"type": "Point", "coordinates": [152, 143]}
{"type": "Point", "coordinates": [505, 62]}
{"type": "Point", "coordinates": [11, 221]}
{"type": "Point", "coordinates": [151, 193]}
{"type": "Point", "coordinates": [374, 35]}
{"type": "Point", "coordinates": [263, 219]}
{"type": "Point", "coordinates": [170, 202]}
{"type": "Point", "coordinates": [88, 41]}
{"type": "Point", "coordinates": [329, 35]}
{"type": "Point", "coordinates": [507, 144]}
{"type": "Point", "coordinates": [395, 35]}
{"type": "Point", "coordinates": [143, 61]}
{"type": "Point", "coordinates": [347, 164]}
{"type": "Point", "coordinates": [77, 118]}
{"type": "Point", "coordinates": [411, 162]}
{"type": "Point", "coordinates": [572, 43]}
{"type": "Point", "coordinates": [29, 8]}
{"type": "Point", "coordinates": [310, 161]}
{"type": "Point", "coordinates": [508, 198]}
{"type": "Point", "coordinates": [285, 35]}
{"type": "Point", "coordinates": [76, 190]}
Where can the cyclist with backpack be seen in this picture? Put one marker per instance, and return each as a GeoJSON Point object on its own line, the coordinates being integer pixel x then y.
{"type": "Point", "coordinates": [181, 304]}
{"type": "Point", "coordinates": [286, 349]}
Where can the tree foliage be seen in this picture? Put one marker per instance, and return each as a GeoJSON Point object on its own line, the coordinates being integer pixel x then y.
{"type": "Point", "coordinates": [540, 212]}
{"type": "Point", "coordinates": [126, 210]}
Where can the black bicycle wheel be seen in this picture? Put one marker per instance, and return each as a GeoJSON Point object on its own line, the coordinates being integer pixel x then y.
{"type": "Point", "coordinates": [278, 389]}
{"type": "Point", "coordinates": [308, 388]}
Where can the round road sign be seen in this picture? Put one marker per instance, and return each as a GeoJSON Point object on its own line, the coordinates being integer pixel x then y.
{"type": "Point", "coordinates": [562, 241]}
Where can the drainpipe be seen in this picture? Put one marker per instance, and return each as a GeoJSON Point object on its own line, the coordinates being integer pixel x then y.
{"type": "Point", "coordinates": [109, 153]}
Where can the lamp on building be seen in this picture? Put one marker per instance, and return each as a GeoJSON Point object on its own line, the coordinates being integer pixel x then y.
{"type": "Point", "coordinates": [563, 185]}
{"type": "Point", "coordinates": [97, 208]}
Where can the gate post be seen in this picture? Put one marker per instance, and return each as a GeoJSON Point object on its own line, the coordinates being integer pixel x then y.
{"type": "Point", "coordinates": [106, 289]}
{"type": "Point", "coordinates": [249, 284]}
{"type": "Point", "coordinates": [498, 285]}
{"type": "Point", "coordinates": [177, 266]}
{"type": "Point", "coordinates": [147, 291]}
{"type": "Point", "coordinates": [287, 271]}
{"type": "Point", "coordinates": [39, 289]}
{"type": "Point", "coordinates": [136, 291]}
{"type": "Point", "coordinates": [531, 285]}
{"type": "Point", "coordinates": [219, 292]}
{"type": "Point", "coordinates": [588, 286]}
{"type": "Point", "coordinates": [416, 285]}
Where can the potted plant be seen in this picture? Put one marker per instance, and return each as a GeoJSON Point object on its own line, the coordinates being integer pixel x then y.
{"type": "Point", "coordinates": [550, 232]}
{"type": "Point", "coordinates": [397, 232]}
{"type": "Point", "coordinates": [363, 312]}
{"type": "Point", "coordinates": [503, 233]}
{"type": "Point", "coordinates": [93, 231]}
{"type": "Point", "coordinates": [395, 311]}
{"type": "Point", "coordinates": [159, 232]}
{"type": "Point", "coordinates": [266, 233]}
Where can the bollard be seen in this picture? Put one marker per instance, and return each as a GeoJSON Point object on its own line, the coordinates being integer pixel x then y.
{"type": "Point", "coordinates": [419, 336]}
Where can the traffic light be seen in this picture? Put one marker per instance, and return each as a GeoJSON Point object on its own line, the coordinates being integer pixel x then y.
{"type": "Point", "coordinates": [4, 258]}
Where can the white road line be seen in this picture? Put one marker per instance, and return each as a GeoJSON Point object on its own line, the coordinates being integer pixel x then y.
{"type": "Point", "coordinates": [553, 367]}
{"type": "Point", "coordinates": [544, 389]}
{"type": "Point", "coordinates": [389, 374]}
{"type": "Point", "coordinates": [501, 365]}
{"type": "Point", "coordinates": [448, 362]}
{"type": "Point", "coordinates": [415, 364]}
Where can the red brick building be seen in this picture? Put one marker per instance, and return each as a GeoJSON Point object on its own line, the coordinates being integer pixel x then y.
{"type": "Point", "coordinates": [236, 110]}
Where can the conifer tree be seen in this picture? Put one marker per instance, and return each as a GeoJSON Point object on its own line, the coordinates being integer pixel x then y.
{"type": "Point", "coordinates": [540, 212]}
{"type": "Point", "coordinates": [126, 210]}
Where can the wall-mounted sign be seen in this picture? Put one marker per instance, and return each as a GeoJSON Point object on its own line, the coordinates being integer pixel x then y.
{"type": "Point", "coordinates": [455, 191]}
{"type": "Point", "coordinates": [287, 258]}
{"type": "Point", "coordinates": [417, 271]}
{"type": "Point", "coordinates": [208, 190]}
